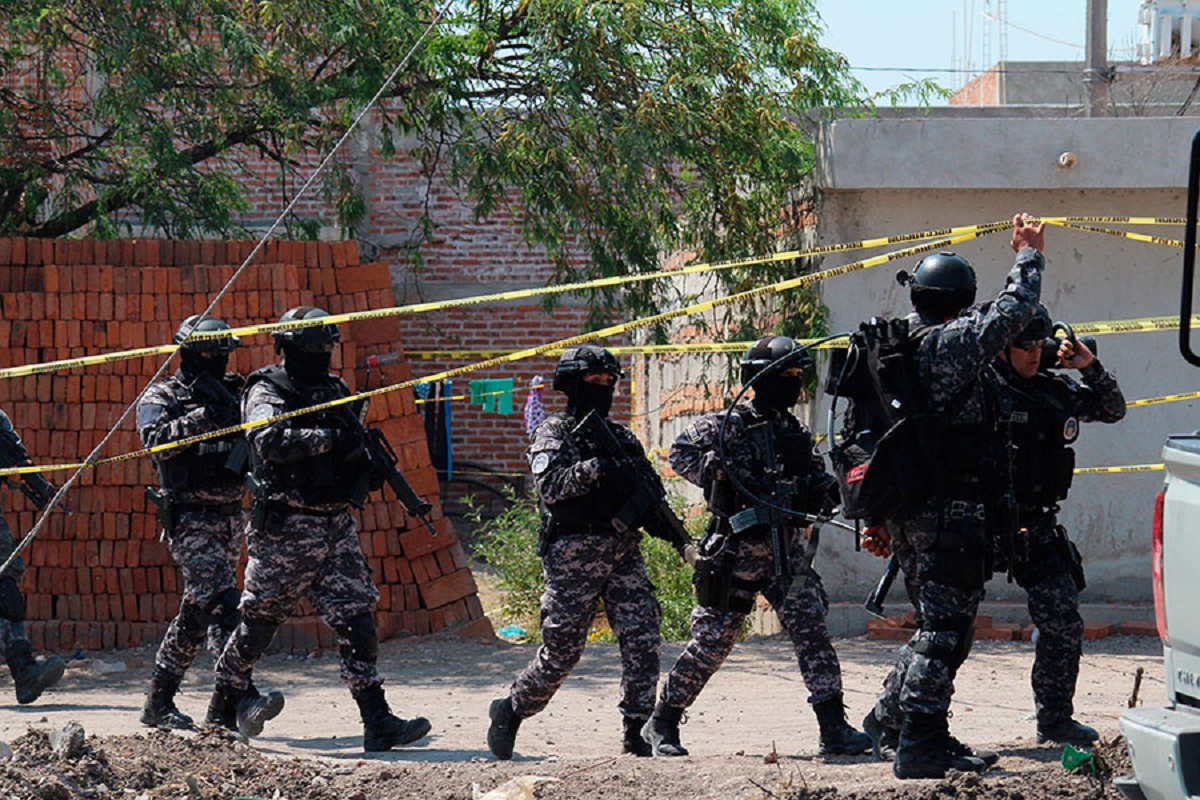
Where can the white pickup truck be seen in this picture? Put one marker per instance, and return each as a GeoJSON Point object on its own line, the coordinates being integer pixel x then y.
{"type": "Point", "coordinates": [1164, 741]}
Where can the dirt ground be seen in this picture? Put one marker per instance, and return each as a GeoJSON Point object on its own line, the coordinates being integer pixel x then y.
{"type": "Point", "coordinates": [751, 734]}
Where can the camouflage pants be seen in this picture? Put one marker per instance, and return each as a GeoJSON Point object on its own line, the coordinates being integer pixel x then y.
{"type": "Point", "coordinates": [1054, 607]}
{"type": "Point", "coordinates": [298, 555]}
{"type": "Point", "coordinates": [11, 630]}
{"type": "Point", "coordinates": [802, 611]}
{"type": "Point", "coordinates": [206, 546]}
{"type": "Point", "coordinates": [580, 571]}
{"type": "Point", "coordinates": [941, 552]}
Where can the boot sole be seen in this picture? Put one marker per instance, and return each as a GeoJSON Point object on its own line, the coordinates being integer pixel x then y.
{"type": "Point", "coordinates": [414, 729]}
{"type": "Point", "coordinates": [251, 724]}
{"type": "Point", "coordinates": [906, 773]}
{"type": "Point", "coordinates": [847, 750]}
{"type": "Point", "coordinates": [656, 742]}
{"type": "Point", "coordinates": [170, 722]}
{"type": "Point", "coordinates": [54, 671]}
{"type": "Point", "coordinates": [1050, 741]}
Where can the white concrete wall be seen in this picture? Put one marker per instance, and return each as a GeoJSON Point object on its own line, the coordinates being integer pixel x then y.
{"type": "Point", "coordinates": [894, 176]}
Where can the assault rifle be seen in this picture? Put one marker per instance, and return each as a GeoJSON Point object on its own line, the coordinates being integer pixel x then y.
{"type": "Point", "coordinates": [780, 494]}
{"type": "Point", "coordinates": [647, 503]}
{"type": "Point", "coordinates": [32, 484]}
{"type": "Point", "coordinates": [382, 469]}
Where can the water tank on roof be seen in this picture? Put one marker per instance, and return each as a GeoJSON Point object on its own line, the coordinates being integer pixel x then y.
{"type": "Point", "coordinates": [1170, 30]}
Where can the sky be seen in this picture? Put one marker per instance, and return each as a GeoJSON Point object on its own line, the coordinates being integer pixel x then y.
{"type": "Point", "coordinates": [889, 42]}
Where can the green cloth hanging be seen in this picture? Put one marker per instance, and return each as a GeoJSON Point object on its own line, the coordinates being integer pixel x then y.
{"type": "Point", "coordinates": [495, 395]}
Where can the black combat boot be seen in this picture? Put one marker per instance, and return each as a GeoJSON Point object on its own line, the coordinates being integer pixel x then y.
{"type": "Point", "coordinates": [1067, 731]}
{"type": "Point", "coordinates": [383, 730]}
{"type": "Point", "coordinates": [662, 731]}
{"type": "Point", "coordinates": [30, 677]}
{"type": "Point", "coordinates": [883, 740]}
{"type": "Point", "coordinates": [502, 733]}
{"type": "Point", "coordinates": [837, 737]}
{"type": "Point", "coordinates": [988, 757]}
{"type": "Point", "coordinates": [223, 707]}
{"type": "Point", "coordinates": [160, 710]}
{"type": "Point", "coordinates": [254, 709]}
{"type": "Point", "coordinates": [925, 750]}
{"type": "Point", "coordinates": [633, 741]}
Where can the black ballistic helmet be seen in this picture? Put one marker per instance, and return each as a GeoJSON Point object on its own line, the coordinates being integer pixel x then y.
{"type": "Point", "coordinates": [196, 323]}
{"type": "Point", "coordinates": [578, 361]}
{"type": "Point", "coordinates": [770, 350]}
{"type": "Point", "coordinates": [1037, 331]}
{"type": "Point", "coordinates": [943, 283]}
{"type": "Point", "coordinates": [314, 339]}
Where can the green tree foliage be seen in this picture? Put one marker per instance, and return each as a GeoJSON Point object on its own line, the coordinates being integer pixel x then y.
{"type": "Point", "coordinates": [621, 130]}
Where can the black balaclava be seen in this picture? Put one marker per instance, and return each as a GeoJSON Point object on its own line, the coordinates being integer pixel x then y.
{"type": "Point", "coordinates": [583, 397]}
{"type": "Point", "coordinates": [192, 364]}
{"type": "Point", "coordinates": [304, 366]}
{"type": "Point", "coordinates": [779, 392]}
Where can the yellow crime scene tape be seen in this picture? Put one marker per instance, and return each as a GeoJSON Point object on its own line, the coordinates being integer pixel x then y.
{"type": "Point", "coordinates": [612, 330]}
{"type": "Point", "coordinates": [1112, 470]}
{"type": "Point", "coordinates": [421, 401]}
{"type": "Point", "coordinates": [1100, 328]}
{"type": "Point", "coordinates": [495, 297]}
{"type": "Point", "coordinates": [964, 233]}
{"type": "Point", "coordinates": [1120, 220]}
{"type": "Point", "coordinates": [1137, 237]}
{"type": "Point", "coordinates": [1146, 324]}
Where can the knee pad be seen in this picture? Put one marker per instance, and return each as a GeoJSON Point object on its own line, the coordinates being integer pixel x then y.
{"type": "Point", "coordinates": [950, 644]}
{"type": "Point", "coordinates": [940, 645]}
{"type": "Point", "coordinates": [223, 611]}
{"type": "Point", "coordinates": [362, 639]}
{"type": "Point", "coordinates": [12, 605]}
{"type": "Point", "coordinates": [253, 636]}
{"type": "Point", "coordinates": [193, 621]}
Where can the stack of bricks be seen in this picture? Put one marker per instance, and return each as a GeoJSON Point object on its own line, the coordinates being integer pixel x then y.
{"type": "Point", "coordinates": [901, 629]}
{"type": "Point", "coordinates": [100, 577]}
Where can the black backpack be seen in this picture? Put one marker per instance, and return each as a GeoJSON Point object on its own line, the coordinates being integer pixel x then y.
{"type": "Point", "coordinates": [882, 456]}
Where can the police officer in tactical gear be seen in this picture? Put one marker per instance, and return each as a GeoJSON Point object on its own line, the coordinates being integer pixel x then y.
{"type": "Point", "coordinates": [1041, 411]}
{"type": "Point", "coordinates": [585, 559]}
{"type": "Point", "coordinates": [199, 504]}
{"type": "Point", "coordinates": [766, 449]}
{"type": "Point", "coordinates": [30, 678]}
{"type": "Point", "coordinates": [302, 538]}
{"type": "Point", "coordinates": [944, 544]}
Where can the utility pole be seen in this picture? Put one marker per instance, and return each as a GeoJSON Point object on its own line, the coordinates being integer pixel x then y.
{"type": "Point", "coordinates": [1096, 74]}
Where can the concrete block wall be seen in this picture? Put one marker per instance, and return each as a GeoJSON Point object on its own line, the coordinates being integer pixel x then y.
{"type": "Point", "coordinates": [100, 578]}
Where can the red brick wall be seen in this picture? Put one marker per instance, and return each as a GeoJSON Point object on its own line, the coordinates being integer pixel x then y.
{"type": "Point", "coordinates": [983, 91]}
{"type": "Point", "coordinates": [101, 578]}
{"type": "Point", "coordinates": [464, 256]}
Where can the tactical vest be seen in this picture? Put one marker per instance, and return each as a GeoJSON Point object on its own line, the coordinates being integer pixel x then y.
{"type": "Point", "coordinates": [592, 510]}
{"type": "Point", "coordinates": [202, 466]}
{"type": "Point", "coordinates": [1042, 430]}
{"type": "Point", "coordinates": [318, 480]}
{"type": "Point", "coordinates": [792, 453]}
